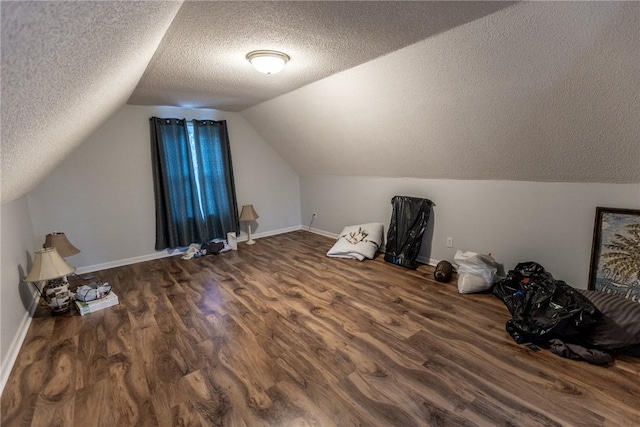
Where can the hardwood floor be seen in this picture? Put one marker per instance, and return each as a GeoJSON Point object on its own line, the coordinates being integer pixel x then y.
{"type": "Point", "coordinates": [277, 334]}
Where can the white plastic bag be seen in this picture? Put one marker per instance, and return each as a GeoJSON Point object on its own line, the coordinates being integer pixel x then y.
{"type": "Point", "coordinates": [93, 291]}
{"type": "Point", "coordinates": [476, 272]}
{"type": "Point", "coordinates": [470, 283]}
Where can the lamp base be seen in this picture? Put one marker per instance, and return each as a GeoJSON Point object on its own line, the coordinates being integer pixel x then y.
{"type": "Point", "coordinates": [61, 311]}
{"type": "Point", "coordinates": [58, 296]}
{"type": "Point", "coordinates": [250, 241]}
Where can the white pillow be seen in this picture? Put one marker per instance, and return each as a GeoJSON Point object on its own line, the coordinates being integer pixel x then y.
{"type": "Point", "coordinates": [358, 242]}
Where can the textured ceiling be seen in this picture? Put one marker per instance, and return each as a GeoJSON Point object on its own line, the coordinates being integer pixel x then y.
{"type": "Point", "coordinates": [66, 67]}
{"type": "Point", "coordinates": [201, 60]}
{"type": "Point", "coordinates": [541, 91]}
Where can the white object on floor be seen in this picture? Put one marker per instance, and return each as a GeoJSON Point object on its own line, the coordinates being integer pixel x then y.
{"type": "Point", "coordinates": [195, 249]}
{"type": "Point", "coordinates": [92, 291]}
{"type": "Point", "coordinates": [476, 272]}
{"type": "Point", "coordinates": [232, 241]}
{"type": "Point", "coordinates": [192, 251]}
{"type": "Point", "coordinates": [97, 305]}
{"type": "Point", "coordinates": [470, 283]}
{"type": "Point", "coordinates": [358, 242]}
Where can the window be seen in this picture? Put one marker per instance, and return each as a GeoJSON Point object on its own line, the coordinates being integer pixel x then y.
{"type": "Point", "coordinates": [192, 146]}
{"type": "Point", "coordinates": [193, 181]}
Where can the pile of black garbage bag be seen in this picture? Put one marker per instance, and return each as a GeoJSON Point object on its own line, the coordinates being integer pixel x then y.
{"type": "Point", "coordinates": [549, 313]}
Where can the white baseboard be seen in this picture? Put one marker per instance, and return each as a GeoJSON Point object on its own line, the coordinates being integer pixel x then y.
{"type": "Point", "coordinates": [127, 261]}
{"type": "Point", "coordinates": [171, 252]}
{"type": "Point", "coordinates": [16, 343]}
{"type": "Point", "coordinates": [243, 237]}
{"type": "Point", "coordinates": [321, 232]}
{"type": "Point", "coordinates": [428, 261]}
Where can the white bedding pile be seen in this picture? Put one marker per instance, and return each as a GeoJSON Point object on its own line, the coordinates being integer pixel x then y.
{"type": "Point", "coordinates": [358, 242]}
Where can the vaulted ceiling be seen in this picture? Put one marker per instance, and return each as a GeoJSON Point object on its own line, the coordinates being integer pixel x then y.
{"type": "Point", "coordinates": [66, 67]}
{"type": "Point", "coordinates": [466, 90]}
{"type": "Point", "coordinates": [540, 91]}
{"type": "Point", "coordinates": [201, 60]}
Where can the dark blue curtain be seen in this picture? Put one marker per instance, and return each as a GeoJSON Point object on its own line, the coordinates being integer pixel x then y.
{"type": "Point", "coordinates": [193, 183]}
{"type": "Point", "coordinates": [215, 175]}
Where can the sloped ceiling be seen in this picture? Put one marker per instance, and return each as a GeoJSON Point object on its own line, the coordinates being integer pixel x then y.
{"type": "Point", "coordinates": [66, 67]}
{"type": "Point", "coordinates": [541, 91]}
{"type": "Point", "coordinates": [201, 60]}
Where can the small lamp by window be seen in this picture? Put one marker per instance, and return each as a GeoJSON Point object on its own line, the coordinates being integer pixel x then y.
{"type": "Point", "coordinates": [249, 214]}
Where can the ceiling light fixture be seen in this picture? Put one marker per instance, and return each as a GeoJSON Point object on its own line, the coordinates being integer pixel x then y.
{"type": "Point", "coordinates": [268, 61]}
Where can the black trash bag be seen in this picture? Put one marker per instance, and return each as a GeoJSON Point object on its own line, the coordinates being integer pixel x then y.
{"type": "Point", "coordinates": [578, 352]}
{"type": "Point", "coordinates": [543, 308]}
{"type": "Point", "coordinates": [408, 222]}
{"type": "Point", "coordinates": [211, 248]}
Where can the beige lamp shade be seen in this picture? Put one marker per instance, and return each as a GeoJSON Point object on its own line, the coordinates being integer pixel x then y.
{"type": "Point", "coordinates": [59, 241]}
{"type": "Point", "coordinates": [248, 213]}
{"type": "Point", "coordinates": [48, 265]}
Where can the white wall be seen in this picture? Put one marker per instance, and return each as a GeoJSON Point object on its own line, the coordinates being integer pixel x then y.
{"type": "Point", "coordinates": [550, 223]}
{"type": "Point", "coordinates": [16, 297]}
{"type": "Point", "coordinates": [102, 195]}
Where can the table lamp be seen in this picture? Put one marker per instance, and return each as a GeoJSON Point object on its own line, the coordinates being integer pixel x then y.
{"type": "Point", "coordinates": [58, 240]}
{"type": "Point", "coordinates": [49, 266]}
{"type": "Point", "coordinates": [249, 214]}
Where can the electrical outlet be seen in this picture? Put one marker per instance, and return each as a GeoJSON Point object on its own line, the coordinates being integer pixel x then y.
{"type": "Point", "coordinates": [449, 242]}
{"type": "Point", "coordinates": [315, 215]}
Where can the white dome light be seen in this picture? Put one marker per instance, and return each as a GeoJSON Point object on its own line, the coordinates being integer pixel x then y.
{"type": "Point", "coordinates": [268, 61]}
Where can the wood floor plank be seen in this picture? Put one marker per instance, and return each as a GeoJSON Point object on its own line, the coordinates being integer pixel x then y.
{"type": "Point", "coordinates": [296, 409]}
{"type": "Point", "coordinates": [94, 405]}
{"type": "Point", "coordinates": [518, 380]}
{"type": "Point", "coordinates": [55, 405]}
{"type": "Point", "coordinates": [118, 330]}
{"type": "Point", "coordinates": [20, 395]}
{"type": "Point", "coordinates": [138, 310]}
{"type": "Point", "coordinates": [277, 334]}
{"type": "Point", "coordinates": [161, 372]}
{"type": "Point", "coordinates": [92, 362]}
{"type": "Point", "coordinates": [206, 402]}
{"type": "Point", "coordinates": [36, 342]}
{"type": "Point", "coordinates": [131, 396]}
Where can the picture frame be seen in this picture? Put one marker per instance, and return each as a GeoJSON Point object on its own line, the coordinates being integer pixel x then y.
{"type": "Point", "coordinates": [615, 259]}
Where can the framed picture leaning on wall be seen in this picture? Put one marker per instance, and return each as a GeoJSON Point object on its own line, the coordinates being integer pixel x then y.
{"type": "Point", "coordinates": [615, 254]}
